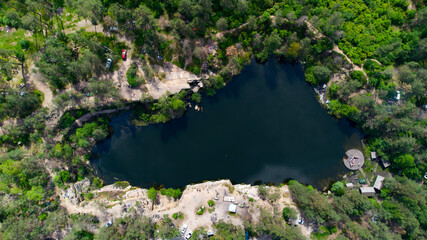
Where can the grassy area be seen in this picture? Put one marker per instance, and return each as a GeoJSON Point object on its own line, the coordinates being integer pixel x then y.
{"type": "Point", "coordinates": [10, 39]}
{"type": "Point", "coordinates": [324, 233]}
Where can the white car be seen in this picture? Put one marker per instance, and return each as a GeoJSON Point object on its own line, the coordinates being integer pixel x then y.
{"type": "Point", "coordinates": [183, 229]}
{"type": "Point", "coordinates": [188, 236]}
{"type": "Point", "coordinates": [108, 64]}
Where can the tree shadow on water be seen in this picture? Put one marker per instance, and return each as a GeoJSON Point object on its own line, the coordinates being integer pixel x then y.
{"type": "Point", "coordinates": [173, 128]}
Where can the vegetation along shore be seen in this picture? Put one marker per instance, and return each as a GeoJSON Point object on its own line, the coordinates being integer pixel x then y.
{"type": "Point", "coordinates": [67, 66]}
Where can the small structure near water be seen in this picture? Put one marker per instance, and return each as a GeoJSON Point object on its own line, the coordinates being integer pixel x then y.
{"type": "Point", "coordinates": [385, 163]}
{"type": "Point", "coordinates": [367, 191]}
{"type": "Point", "coordinates": [354, 159]}
{"type": "Point", "coordinates": [373, 156]}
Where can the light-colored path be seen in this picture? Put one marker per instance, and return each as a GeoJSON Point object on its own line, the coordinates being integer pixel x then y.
{"type": "Point", "coordinates": [364, 176]}
{"type": "Point", "coordinates": [34, 79]}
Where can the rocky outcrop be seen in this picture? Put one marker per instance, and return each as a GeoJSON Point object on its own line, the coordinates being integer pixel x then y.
{"type": "Point", "coordinates": [112, 201]}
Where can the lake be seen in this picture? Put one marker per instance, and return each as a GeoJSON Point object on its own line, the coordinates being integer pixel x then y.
{"type": "Point", "coordinates": [265, 125]}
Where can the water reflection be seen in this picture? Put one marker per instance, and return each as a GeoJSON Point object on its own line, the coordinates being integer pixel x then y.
{"type": "Point", "coordinates": [265, 125]}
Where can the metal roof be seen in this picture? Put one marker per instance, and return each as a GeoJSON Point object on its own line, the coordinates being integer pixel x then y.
{"type": "Point", "coordinates": [379, 182]}
{"type": "Point", "coordinates": [232, 208]}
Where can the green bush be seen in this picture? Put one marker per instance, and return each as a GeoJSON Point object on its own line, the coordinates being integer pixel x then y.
{"type": "Point", "coordinates": [289, 213]}
{"type": "Point", "coordinates": [170, 192]}
{"type": "Point", "coordinates": [121, 184]}
{"type": "Point", "coordinates": [359, 76]}
{"type": "Point", "coordinates": [338, 188]}
{"type": "Point", "coordinates": [24, 44]}
{"type": "Point", "coordinates": [200, 210]}
{"type": "Point", "coordinates": [211, 203]}
{"type": "Point", "coordinates": [197, 97]}
{"type": "Point", "coordinates": [88, 196]}
{"type": "Point", "coordinates": [321, 74]}
{"type": "Point", "coordinates": [132, 76]}
{"type": "Point", "coordinates": [61, 178]}
{"type": "Point", "coordinates": [177, 215]}
{"type": "Point", "coordinates": [97, 183]}
{"type": "Point", "coordinates": [43, 216]}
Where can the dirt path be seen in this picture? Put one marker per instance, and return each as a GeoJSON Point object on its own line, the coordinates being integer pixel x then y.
{"type": "Point", "coordinates": [364, 176]}
{"type": "Point", "coordinates": [34, 79]}
{"type": "Point", "coordinates": [175, 79]}
{"type": "Point", "coordinates": [319, 35]}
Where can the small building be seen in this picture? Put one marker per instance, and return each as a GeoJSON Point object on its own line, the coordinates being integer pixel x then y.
{"type": "Point", "coordinates": [349, 185]}
{"type": "Point", "coordinates": [373, 155]}
{"type": "Point", "coordinates": [367, 191]}
{"type": "Point", "coordinates": [385, 163]}
{"type": "Point", "coordinates": [379, 183]}
{"type": "Point", "coordinates": [228, 199]}
{"type": "Point", "coordinates": [232, 208]}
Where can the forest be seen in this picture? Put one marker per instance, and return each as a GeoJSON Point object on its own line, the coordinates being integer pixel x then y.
{"type": "Point", "coordinates": [370, 53]}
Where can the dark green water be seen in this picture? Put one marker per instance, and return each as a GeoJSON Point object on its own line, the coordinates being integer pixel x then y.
{"type": "Point", "coordinates": [264, 125]}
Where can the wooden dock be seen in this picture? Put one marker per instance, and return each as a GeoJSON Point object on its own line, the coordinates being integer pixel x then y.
{"type": "Point", "coordinates": [354, 159]}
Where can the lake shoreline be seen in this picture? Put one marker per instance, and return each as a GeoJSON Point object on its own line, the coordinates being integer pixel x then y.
{"type": "Point", "coordinates": [312, 92]}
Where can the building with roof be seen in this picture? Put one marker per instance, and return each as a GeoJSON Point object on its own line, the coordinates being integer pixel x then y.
{"type": "Point", "coordinates": [349, 185]}
{"type": "Point", "coordinates": [232, 208]}
{"type": "Point", "coordinates": [379, 182]}
{"type": "Point", "coordinates": [373, 155]}
{"type": "Point", "coordinates": [385, 163]}
{"type": "Point", "coordinates": [367, 191]}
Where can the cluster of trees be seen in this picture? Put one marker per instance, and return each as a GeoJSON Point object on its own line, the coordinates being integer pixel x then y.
{"type": "Point", "coordinates": [25, 189]}
{"type": "Point", "coordinates": [273, 226]}
{"type": "Point", "coordinates": [68, 60]}
{"type": "Point", "coordinates": [132, 76]}
{"type": "Point", "coordinates": [166, 108]}
{"type": "Point", "coordinates": [31, 131]}
{"type": "Point", "coordinates": [15, 103]}
{"type": "Point", "coordinates": [386, 31]}
{"type": "Point", "coordinates": [401, 211]}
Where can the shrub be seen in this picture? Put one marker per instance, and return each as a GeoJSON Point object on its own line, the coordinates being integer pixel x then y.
{"type": "Point", "coordinates": [132, 76]}
{"type": "Point", "coordinates": [97, 183]}
{"type": "Point", "coordinates": [197, 97]}
{"type": "Point", "coordinates": [263, 192]}
{"type": "Point", "coordinates": [211, 203]}
{"type": "Point", "coordinates": [121, 184]}
{"type": "Point", "coordinates": [200, 210]}
{"type": "Point", "coordinates": [338, 188]}
{"type": "Point", "coordinates": [359, 76]}
{"type": "Point", "coordinates": [25, 44]}
{"type": "Point", "coordinates": [88, 196]}
{"type": "Point", "coordinates": [43, 216]}
{"type": "Point", "coordinates": [289, 213]}
{"type": "Point", "coordinates": [321, 74]}
{"type": "Point", "coordinates": [177, 215]}
{"type": "Point", "coordinates": [170, 192]}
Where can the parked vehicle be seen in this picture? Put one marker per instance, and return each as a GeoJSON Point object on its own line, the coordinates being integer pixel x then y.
{"type": "Point", "coordinates": [183, 229]}
{"type": "Point", "coordinates": [109, 223]}
{"type": "Point", "coordinates": [188, 236]}
{"type": "Point", "coordinates": [124, 54]}
{"type": "Point", "coordinates": [108, 65]}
